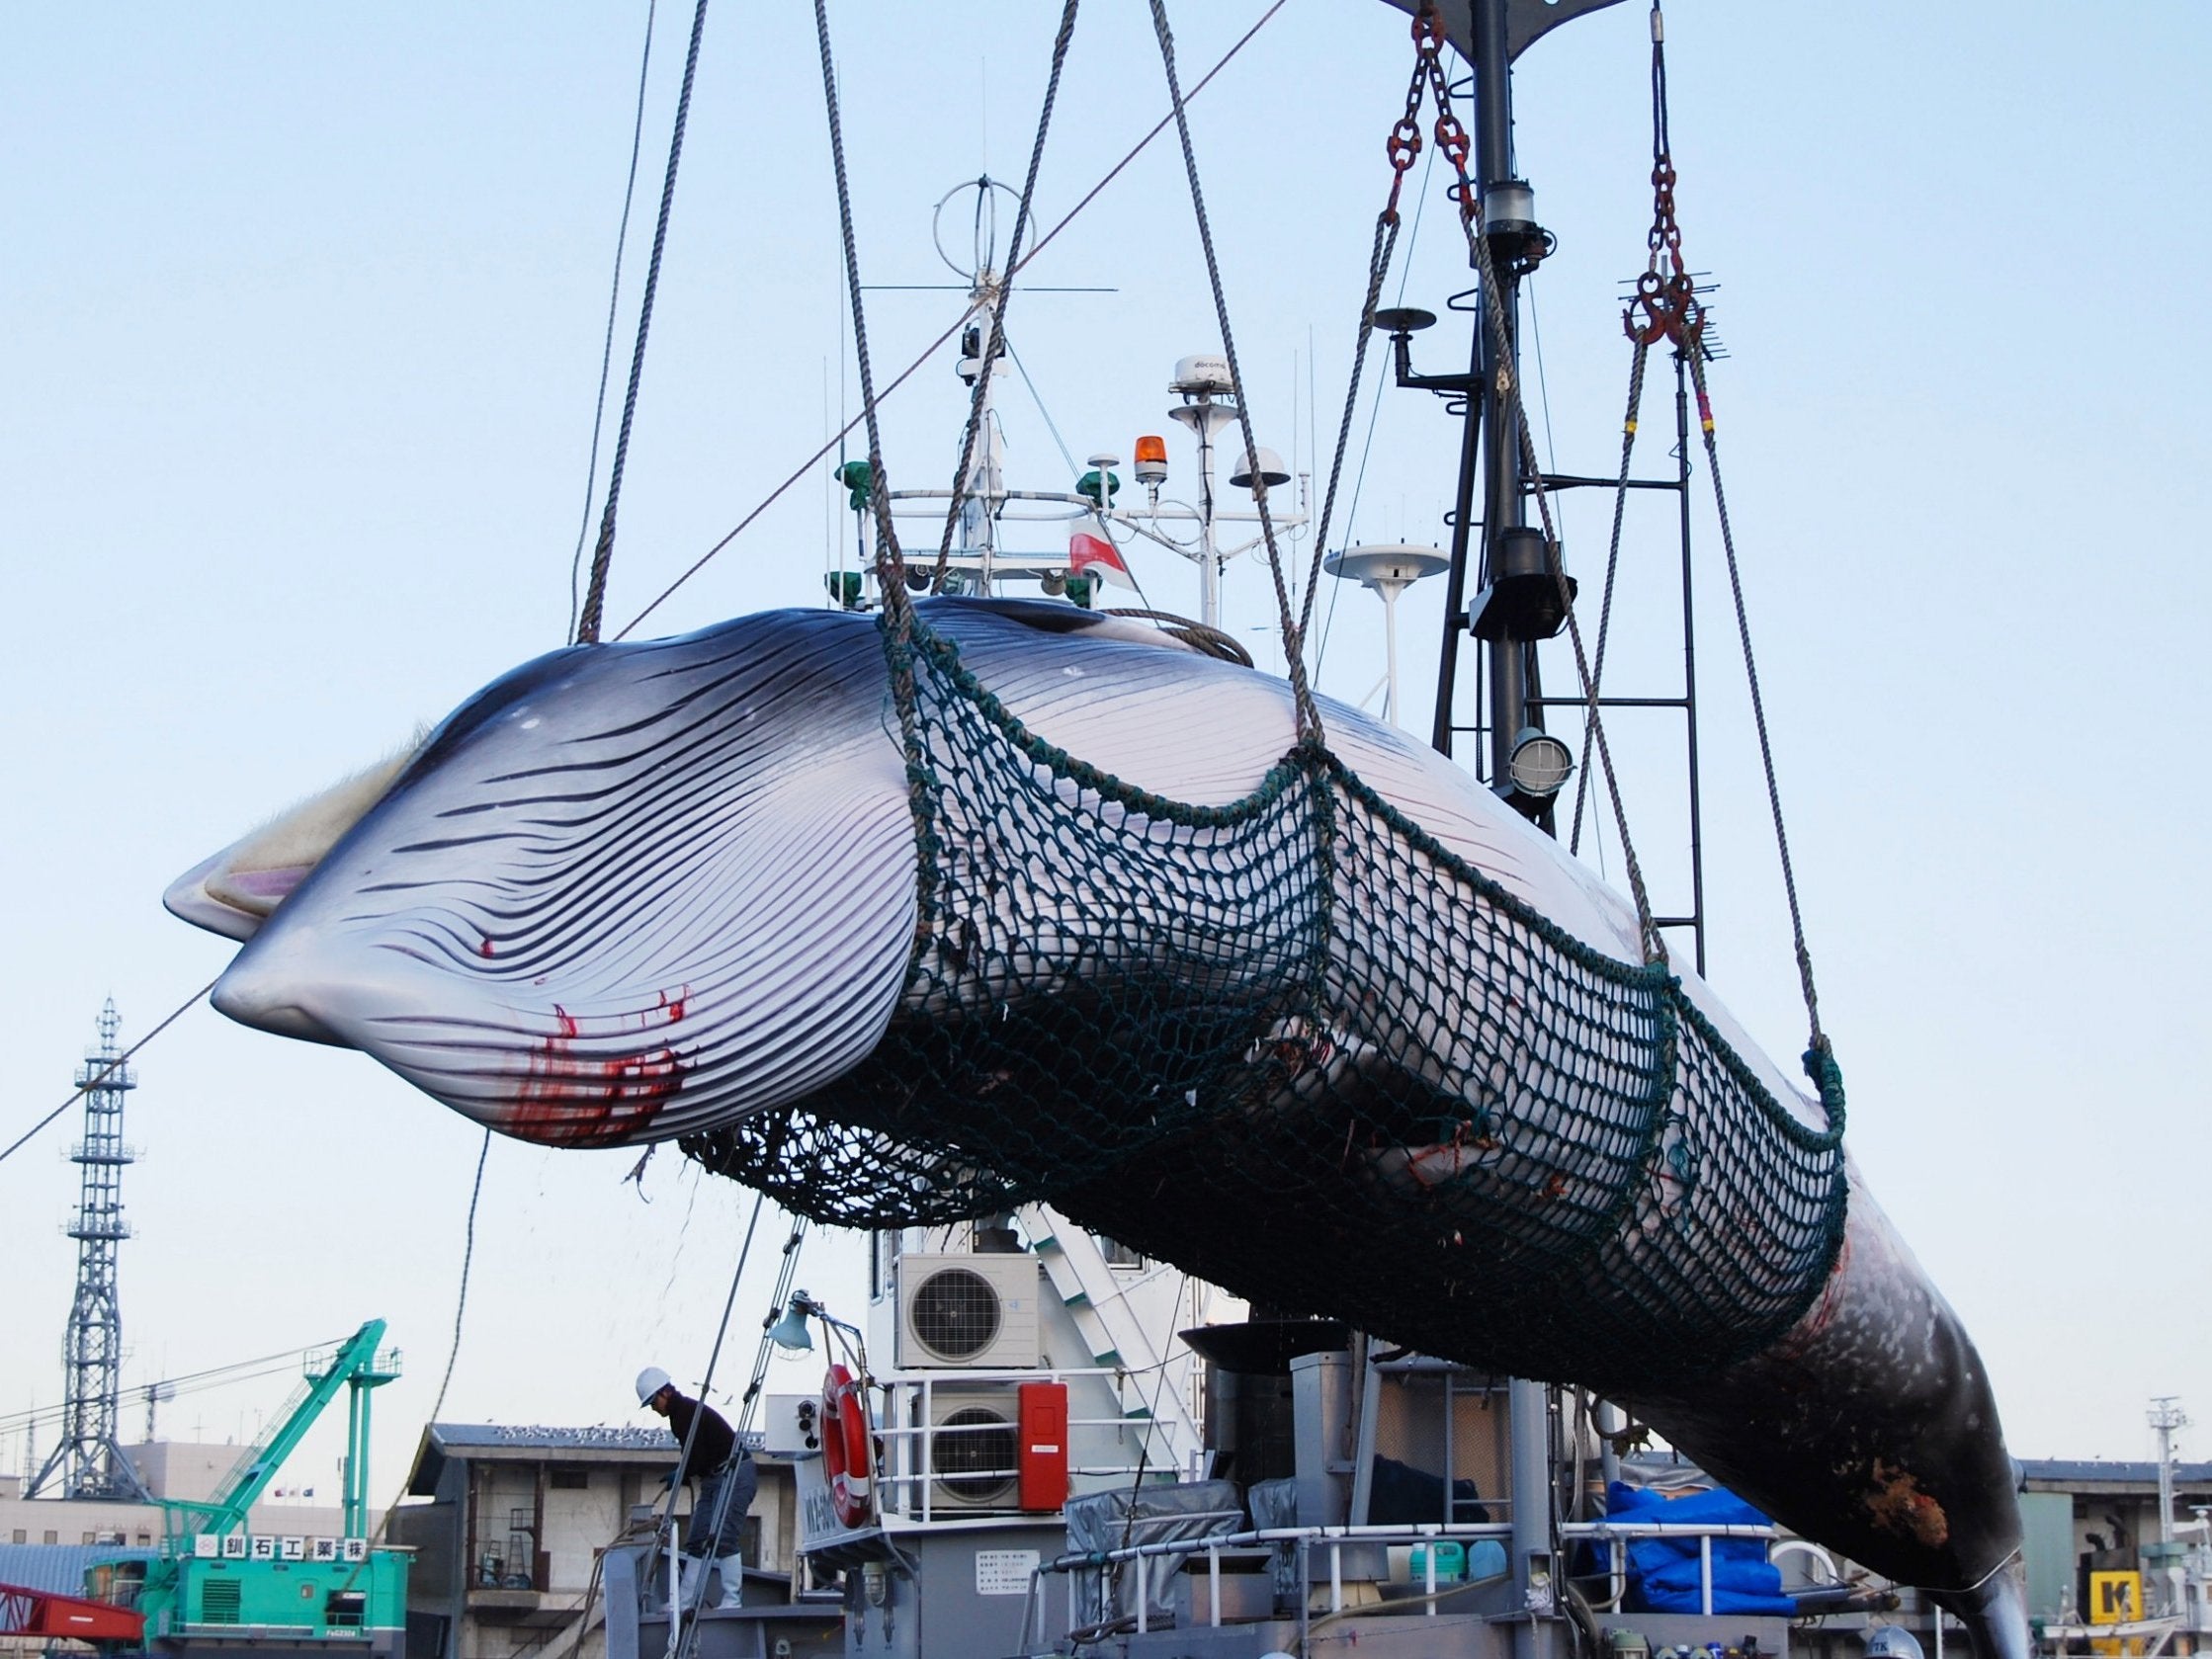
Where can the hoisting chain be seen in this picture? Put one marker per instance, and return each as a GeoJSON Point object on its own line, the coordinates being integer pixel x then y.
{"type": "Point", "coordinates": [998, 332]}
{"type": "Point", "coordinates": [1451, 137]}
{"type": "Point", "coordinates": [1666, 296]}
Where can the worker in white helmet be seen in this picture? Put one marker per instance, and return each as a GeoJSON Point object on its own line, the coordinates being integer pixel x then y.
{"type": "Point", "coordinates": [725, 1477]}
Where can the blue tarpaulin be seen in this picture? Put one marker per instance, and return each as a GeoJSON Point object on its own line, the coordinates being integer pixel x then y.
{"type": "Point", "coordinates": [1663, 1573]}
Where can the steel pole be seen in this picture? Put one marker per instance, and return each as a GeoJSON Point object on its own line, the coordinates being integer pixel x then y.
{"type": "Point", "coordinates": [1529, 1426]}
{"type": "Point", "coordinates": [1455, 584]}
{"type": "Point", "coordinates": [1500, 422]}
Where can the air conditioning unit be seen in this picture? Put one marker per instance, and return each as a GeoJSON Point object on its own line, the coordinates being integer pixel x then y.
{"type": "Point", "coordinates": [967, 1313]}
{"type": "Point", "coordinates": [975, 1448]}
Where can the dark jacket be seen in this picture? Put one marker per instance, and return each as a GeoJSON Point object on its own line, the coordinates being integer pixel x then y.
{"type": "Point", "coordinates": [716, 1443]}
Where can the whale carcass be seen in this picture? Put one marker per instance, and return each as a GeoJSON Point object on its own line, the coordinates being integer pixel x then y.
{"type": "Point", "coordinates": [1079, 918]}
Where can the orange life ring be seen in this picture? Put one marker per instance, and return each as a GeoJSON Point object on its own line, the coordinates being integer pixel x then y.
{"type": "Point", "coordinates": [848, 1448]}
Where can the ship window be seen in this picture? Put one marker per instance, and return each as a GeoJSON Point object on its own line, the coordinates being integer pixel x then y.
{"type": "Point", "coordinates": [569, 1479]}
{"type": "Point", "coordinates": [22, 1536]}
{"type": "Point", "coordinates": [53, 1536]}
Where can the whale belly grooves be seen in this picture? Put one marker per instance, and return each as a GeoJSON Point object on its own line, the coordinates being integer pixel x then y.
{"type": "Point", "coordinates": [622, 894]}
{"type": "Point", "coordinates": [1332, 1027]}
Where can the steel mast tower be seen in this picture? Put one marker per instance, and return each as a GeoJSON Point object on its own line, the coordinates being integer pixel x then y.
{"type": "Point", "coordinates": [88, 1456]}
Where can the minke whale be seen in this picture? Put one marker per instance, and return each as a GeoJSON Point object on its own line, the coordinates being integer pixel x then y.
{"type": "Point", "coordinates": [639, 891]}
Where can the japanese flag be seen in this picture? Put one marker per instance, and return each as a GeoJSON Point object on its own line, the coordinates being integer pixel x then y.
{"type": "Point", "coordinates": [1095, 555]}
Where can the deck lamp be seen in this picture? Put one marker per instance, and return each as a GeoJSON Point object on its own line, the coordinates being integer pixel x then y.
{"type": "Point", "coordinates": [1541, 764]}
{"type": "Point", "coordinates": [1524, 600]}
{"type": "Point", "coordinates": [791, 1330]}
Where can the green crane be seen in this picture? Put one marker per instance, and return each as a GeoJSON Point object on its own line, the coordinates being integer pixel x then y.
{"type": "Point", "coordinates": [357, 1366]}
{"type": "Point", "coordinates": [216, 1588]}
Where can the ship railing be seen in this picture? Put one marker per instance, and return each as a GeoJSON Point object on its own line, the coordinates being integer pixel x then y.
{"type": "Point", "coordinates": [912, 1468]}
{"type": "Point", "coordinates": [1616, 1535]}
{"type": "Point", "coordinates": [1138, 1559]}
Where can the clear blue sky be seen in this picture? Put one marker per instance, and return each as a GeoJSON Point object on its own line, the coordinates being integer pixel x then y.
{"type": "Point", "coordinates": [301, 310]}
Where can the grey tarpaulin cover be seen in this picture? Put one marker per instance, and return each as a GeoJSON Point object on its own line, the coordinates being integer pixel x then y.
{"type": "Point", "coordinates": [1188, 1512]}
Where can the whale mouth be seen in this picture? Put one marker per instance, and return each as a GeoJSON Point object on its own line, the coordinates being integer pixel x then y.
{"type": "Point", "coordinates": [530, 1069]}
{"type": "Point", "coordinates": [255, 1000]}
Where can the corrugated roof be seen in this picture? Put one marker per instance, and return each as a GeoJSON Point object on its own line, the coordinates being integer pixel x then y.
{"type": "Point", "coordinates": [539, 1437]}
{"type": "Point", "coordinates": [2066, 1470]}
{"type": "Point", "coordinates": [60, 1568]}
{"type": "Point", "coordinates": [626, 1441]}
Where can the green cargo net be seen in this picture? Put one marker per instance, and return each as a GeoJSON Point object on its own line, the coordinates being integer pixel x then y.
{"type": "Point", "coordinates": [1299, 1049]}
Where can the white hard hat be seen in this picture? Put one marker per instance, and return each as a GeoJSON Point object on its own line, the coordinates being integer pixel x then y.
{"type": "Point", "coordinates": [650, 1382]}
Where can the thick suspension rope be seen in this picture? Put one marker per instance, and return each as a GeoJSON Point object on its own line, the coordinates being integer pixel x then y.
{"type": "Point", "coordinates": [602, 556]}
{"type": "Point", "coordinates": [1404, 144]}
{"type": "Point", "coordinates": [614, 307]}
{"type": "Point", "coordinates": [1294, 639]}
{"type": "Point", "coordinates": [1820, 1056]}
{"type": "Point", "coordinates": [1643, 352]}
{"type": "Point", "coordinates": [1666, 307]}
{"type": "Point", "coordinates": [998, 332]}
{"type": "Point", "coordinates": [929, 351]}
{"type": "Point", "coordinates": [1452, 136]}
{"type": "Point", "coordinates": [891, 565]}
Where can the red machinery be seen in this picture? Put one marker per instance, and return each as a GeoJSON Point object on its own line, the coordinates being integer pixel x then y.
{"type": "Point", "coordinates": [41, 1612]}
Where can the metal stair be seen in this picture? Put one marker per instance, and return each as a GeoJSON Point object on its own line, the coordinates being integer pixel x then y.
{"type": "Point", "coordinates": [1127, 1320]}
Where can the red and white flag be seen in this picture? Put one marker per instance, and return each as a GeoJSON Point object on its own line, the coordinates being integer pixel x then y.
{"type": "Point", "coordinates": [1095, 555]}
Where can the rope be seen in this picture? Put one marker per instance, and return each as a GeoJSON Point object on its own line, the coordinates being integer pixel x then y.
{"type": "Point", "coordinates": [468, 1259]}
{"type": "Point", "coordinates": [1374, 415]}
{"type": "Point", "coordinates": [453, 1353]}
{"type": "Point", "coordinates": [595, 590]}
{"type": "Point", "coordinates": [107, 1071]}
{"type": "Point", "coordinates": [912, 368]}
{"type": "Point", "coordinates": [1294, 644]}
{"type": "Point", "coordinates": [1378, 266]}
{"type": "Point", "coordinates": [898, 618]}
{"type": "Point", "coordinates": [614, 299]}
{"type": "Point", "coordinates": [891, 565]}
{"type": "Point", "coordinates": [1820, 1051]}
{"type": "Point", "coordinates": [1405, 144]}
{"type": "Point", "coordinates": [1005, 293]}
{"type": "Point", "coordinates": [679, 1647]}
{"type": "Point", "coordinates": [1612, 570]}
{"type": "Point", "coordinates": [1507, 386]}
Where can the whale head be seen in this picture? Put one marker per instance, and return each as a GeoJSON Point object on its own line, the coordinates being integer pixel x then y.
{"type": "Point", "coordinates": [622, 894]}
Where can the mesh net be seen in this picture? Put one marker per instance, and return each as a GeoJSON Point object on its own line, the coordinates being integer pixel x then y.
{"type": "Point", "coordinates": [1299, 1049]}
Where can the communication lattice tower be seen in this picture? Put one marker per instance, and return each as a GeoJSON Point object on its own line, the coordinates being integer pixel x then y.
{"type": "Point", "coordinates": [89, 1457]}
